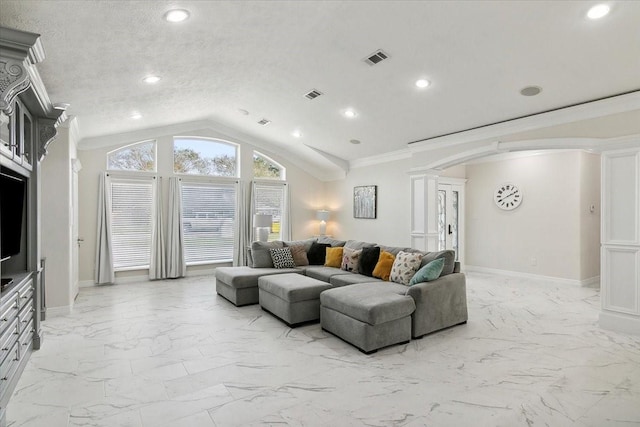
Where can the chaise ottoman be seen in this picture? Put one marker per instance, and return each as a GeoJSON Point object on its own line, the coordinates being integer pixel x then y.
{"type": "Point", "coordinates": [240, 284]}
{"type": "Point", "coordinates": [292, 297]}
{"type": "Point", "coordinates": [368, 315]}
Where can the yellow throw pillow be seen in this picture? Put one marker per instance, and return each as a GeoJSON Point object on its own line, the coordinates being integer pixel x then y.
{"type": "Point", "coordinates": [384, 265]}
{"type": "Point", "coordinates": [334, 257]}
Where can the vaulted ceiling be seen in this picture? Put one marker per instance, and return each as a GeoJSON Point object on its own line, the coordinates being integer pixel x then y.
{"type": "Point", "coordinates": [237, 62]}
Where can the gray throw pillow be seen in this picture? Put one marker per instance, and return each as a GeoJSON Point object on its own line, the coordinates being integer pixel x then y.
{"type": "Point", "coordinates": [261, 255]}
{"type": "Point", "coordinates": [306, 243]}
{"type": "Point", "coordinates": [333, 242]}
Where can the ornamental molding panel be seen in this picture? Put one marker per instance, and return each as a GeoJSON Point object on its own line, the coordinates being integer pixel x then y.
{"type": "Point", "coordinates": [47, 132]}
{"type": "Point", "coordinates": [14, 79]}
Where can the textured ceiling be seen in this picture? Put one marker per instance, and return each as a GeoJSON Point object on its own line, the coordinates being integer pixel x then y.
{"type": "Point", "coordinates": [264, 56]}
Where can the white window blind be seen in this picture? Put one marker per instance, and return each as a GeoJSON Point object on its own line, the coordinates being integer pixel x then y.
{"type": "Point", "coordinates": [270, 200]}
{"type": "Point", "coordinates": [208, 219]}
{"type": "Point", "coordinates": [131, 222]}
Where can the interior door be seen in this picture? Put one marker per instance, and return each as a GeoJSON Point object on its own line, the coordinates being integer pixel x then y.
{"type": "Point", "coordinates": [450, 218]}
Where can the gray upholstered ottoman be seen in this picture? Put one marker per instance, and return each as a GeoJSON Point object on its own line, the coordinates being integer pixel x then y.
{"type": "Point", "coordinates": [291, 297]}
{"type": "Point", "coordinates": [368, 315]}
{"type": "Point", "coordinates": [240, 284]}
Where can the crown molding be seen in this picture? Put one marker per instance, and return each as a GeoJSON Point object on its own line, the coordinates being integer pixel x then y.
{"type": "Point", "coordinates": [590, 110]}
{"type": "Point", "coordinates": [391, 156]}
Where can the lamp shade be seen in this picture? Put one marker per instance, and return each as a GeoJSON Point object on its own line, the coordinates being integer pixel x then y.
{"type": "Point", "coordinates": [260, 220]}
{"type": "Point", "coordinates": [322, 215]}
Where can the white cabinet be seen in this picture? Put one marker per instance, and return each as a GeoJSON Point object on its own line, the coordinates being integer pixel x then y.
{"type": "Point", "coordinates": [620, 273]}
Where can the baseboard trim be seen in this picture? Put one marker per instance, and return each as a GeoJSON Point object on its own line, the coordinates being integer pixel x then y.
{"type": "Point", "coordinates": [145, 278]}
{"type": "Point", "coordinates": [619, 322]}
{"type": "Point", "coordinates": [592, 282]}
{"type": "Point", "coordinates": [59, 311]}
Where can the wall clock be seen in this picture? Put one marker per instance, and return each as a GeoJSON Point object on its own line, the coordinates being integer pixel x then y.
{"type": "Point", "coordinates": [507, 196]}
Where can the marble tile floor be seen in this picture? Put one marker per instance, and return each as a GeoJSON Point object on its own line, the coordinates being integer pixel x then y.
{"type": "Point", "coordinates": [173, 353]}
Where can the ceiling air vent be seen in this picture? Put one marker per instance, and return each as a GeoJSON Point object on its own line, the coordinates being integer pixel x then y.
{"type": "Point", "coordinates": [376, 57]}
{"type": "Point", "coordinates": [313, 94]}
{"type": "Point", "coordinates": [264, 122]}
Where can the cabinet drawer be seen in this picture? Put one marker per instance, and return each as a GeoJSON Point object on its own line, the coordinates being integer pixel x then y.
{"type": "Point", "coordinates": [8, 367]}
{"type": "Point", "coordinates": [26, 339]}
{"type": "Point", "coordinates": [25, 316]}
{"type": "Point", "coordinates": [8, 339]}
{"type": "Point", "coordinates": [25, 294]}
{"type": "Point", "coordinates": [8, 311]}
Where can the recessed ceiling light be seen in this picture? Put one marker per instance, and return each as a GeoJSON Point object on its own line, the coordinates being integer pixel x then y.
{"type": "Point", "coordinates": [297, 134]}
{"type": "Point", "coordinates": [176, 15]}
{"type": "Point", "coordinates": [422, 83]}
{"type": "Point", "coordinates": [350, 113]}
{"type": "Point", "coordinates": [598, 11]}
{"type": "Point", "coordinates": [136, 116]}
{"type": "Point", "coordinates": [151, 79]}
{"type": "Point", "coordinates": [530, 90]}
{"type": "Point", "coordinates": [355, 141]}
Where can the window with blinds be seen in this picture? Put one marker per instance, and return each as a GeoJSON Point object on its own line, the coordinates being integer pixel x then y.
{"type": "Point", "coordinates": [131, 222]}
{"type": "Point", "coordinates": [270, 200]}
{"type": "Point", "coordinates": [208, 220]}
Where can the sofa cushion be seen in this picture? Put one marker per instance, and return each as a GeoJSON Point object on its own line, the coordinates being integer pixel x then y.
{"type": "Point", "coordinates": [282, 258]}
{"type": "Point", "coordinates": [384, 265]}
{"type": "Point", "coordinates": [293, 287]}
{"type": "Point", "coordinates": [352, 279]}
{"type": "Point", "coordinates": [260, 253]}
{"type": "Point", "coordinates": [357, 244]}
{"type": "Point", "coordinates": [324, 273]}
{"type": "Point", "coordinates": [299, 255]}
{"type": "Point", "coordinates": [449, 260]}
{"type": "Point", "coordinates": [247, 277]}
{"type": "Point", "coordinates": [372, 303]}
{"type": "Point", "coordinates": [350, 259]}
{"type": "Point", "coordinates": [317, 253]}
{"type": "Point", "coordinates": [393, 250]}
{"type": "Point", "coordinates": [333, 257]}
{"type": "Point", "coordinates": [330, 241]}
{"type": "Point", "coordinates": [429, 272]}
{"type": "Point", "coordinates": [368, 260]}
{"type": "Point", "coordinates": [305, 243]}
{"type": "Point", "coordinates": [404, 267]}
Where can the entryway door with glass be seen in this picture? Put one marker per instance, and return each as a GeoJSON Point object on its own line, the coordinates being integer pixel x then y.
{"type": "Point", "coordinates": [451, 216]}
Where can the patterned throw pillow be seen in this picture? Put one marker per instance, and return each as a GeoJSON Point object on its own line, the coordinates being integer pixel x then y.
{"type": "Point", "coordinates": [282, 258]}
{"type": "Point", "coordinates": [404, 267]}
{"type": "Point", "coordinates": [350, 259]}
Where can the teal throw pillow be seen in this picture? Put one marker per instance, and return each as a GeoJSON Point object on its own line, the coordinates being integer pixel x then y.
{"type": "Point", "coordinates": [429, 272]}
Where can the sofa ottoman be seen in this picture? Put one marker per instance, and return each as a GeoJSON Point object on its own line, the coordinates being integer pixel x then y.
{"type": "Point", "coordinates": [291, 297]}
{"type": "Point", "coordinates": [240, 284]}
{"type": "Point", "coordinates": [368, 315]}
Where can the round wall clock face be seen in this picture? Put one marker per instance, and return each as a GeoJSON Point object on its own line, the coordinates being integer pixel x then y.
{"type": "Point", "coordinates": [507, 197]}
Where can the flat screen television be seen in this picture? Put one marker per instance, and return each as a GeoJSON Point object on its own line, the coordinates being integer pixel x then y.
{"type": "Point", "coordinates": [12, 197]}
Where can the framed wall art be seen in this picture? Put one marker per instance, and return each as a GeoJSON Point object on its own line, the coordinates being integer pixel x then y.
{"type": "Point", "coordinates": [365, 199]}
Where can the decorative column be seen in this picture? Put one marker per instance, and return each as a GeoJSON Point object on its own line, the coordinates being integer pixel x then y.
{"type": "Point", "coordinates": [424, 212]}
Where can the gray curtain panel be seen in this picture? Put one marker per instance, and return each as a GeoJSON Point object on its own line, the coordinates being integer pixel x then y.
{"type": "Point", "coordinates": [104, 252]}
{"type": "Point", "coordinates": [176, 266]}
{"type": "Point", "coordinates": [157, 263]}
{"type": "Point", "coordinates": [243, 224]}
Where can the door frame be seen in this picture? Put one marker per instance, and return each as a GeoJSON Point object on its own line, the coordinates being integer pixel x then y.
{"type": "Point", "coordinates": [458, 184]}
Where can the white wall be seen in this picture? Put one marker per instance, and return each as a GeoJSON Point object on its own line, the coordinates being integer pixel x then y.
{"type": "Point", "coordinates": [391, 227]}
{"type": "Point", "coordinates": [307, 192]}
{"type": "Point", "coordinates": [552, 233]}
{"type": "Point", "coordinates": [56, 220]}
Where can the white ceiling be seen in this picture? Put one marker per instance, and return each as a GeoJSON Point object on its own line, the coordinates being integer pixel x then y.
{"type": "Point", "coordinates": [264, 56]}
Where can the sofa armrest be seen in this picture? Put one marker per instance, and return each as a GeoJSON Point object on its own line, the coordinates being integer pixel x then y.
{"type": "Point", "coordinates": [439, 304]}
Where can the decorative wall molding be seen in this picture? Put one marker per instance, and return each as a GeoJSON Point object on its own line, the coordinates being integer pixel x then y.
{"type": "Point", "coordinates": [14, 80]}
{"type": "Point", "coordinates": [47, 132]}
{"type": "Point", "coordinates": [391, 156]}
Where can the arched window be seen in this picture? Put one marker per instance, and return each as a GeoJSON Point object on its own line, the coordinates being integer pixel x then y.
{"type": "Point", "coordinates": [265, 167]}
{"type": "Point", "coordinates": [140, 156]}
{"type": "Point", "coordinates": [202, 156]}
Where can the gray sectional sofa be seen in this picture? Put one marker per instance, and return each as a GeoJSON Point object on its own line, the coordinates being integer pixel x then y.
{"type": "Point", "coordinates": [365, 311]}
